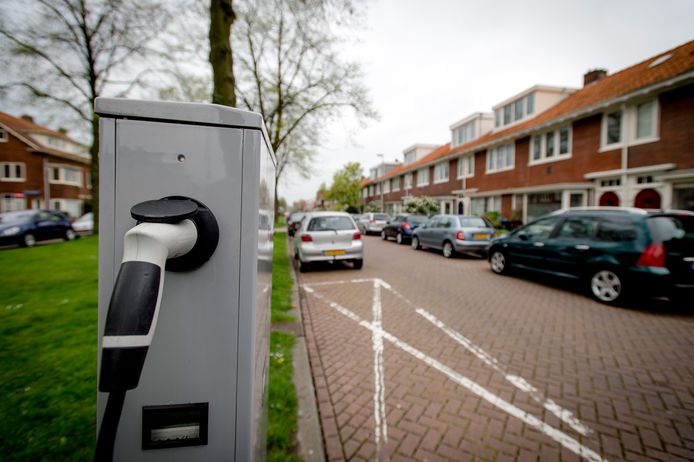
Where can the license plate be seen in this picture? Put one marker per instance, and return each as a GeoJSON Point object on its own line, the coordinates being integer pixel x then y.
{"type": "Point", "coordinates": [481, 236]}
{"type": "Point", "coordinates": [333, 252]}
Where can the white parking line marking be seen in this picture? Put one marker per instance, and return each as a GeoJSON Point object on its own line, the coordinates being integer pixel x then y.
{"type": "Point", "coordinates": [378, 334]}
{"type": "Point", "coordinates": [379, 384]}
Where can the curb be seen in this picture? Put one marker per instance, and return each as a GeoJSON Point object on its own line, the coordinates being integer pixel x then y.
{"type": "Point", "coordinates": [309, 435]}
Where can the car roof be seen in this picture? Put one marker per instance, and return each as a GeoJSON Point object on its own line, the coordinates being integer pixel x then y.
{"type": "Point", "coordinates": [328, 214]}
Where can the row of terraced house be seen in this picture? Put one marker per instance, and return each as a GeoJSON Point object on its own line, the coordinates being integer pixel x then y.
{"type": "Point", "coordinates": [625, 139]}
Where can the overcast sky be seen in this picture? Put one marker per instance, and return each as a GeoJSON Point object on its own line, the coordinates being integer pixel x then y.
{"type": "Point", "coordinates": [431, 63]}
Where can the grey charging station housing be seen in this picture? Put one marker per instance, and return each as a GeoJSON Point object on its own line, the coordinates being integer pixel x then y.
{"type": "Point", "coordinates": [202, 392]}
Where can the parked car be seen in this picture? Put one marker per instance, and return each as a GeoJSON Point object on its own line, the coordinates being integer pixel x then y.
{"type": "Point", "coordinates": [293, 222]}
{"type": "Point", "coordinates": [373, 223]}
{"type": "Point", "coordinates": [84, 224]}
{"type": "Point", "coordinates": [454, 234]}
{"type": "Point", "coordinates": [615, 252]}
{"type": "Point", "coordinates": [26, 227]}
{"type": "Point", "coordinates": [402, 226]}
{"type": "Point", "coordinates": [328, 236]}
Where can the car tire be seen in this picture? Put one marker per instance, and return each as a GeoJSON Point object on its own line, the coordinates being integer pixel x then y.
{"type": "Point", "coordinates": [415, 243]}
{"type": "Point", "coordinates": [606, 285]}
{"type": "Point", "coordinates": [70, 235]}
{"type": "Point", "coordinates": [448, 250]}
{"type": "Point", "coordinates": [384, 236]}
{"type": "Point", "coordinates": [303, 266]}
{"type": "Point", "coordinates": [498, 262]}
{"type": "Point", "coordinates": [28, 240]}
{"type": "Point", "coordinates": [358, 264]}
{"type": "Point", "coordinates": [399, 239]}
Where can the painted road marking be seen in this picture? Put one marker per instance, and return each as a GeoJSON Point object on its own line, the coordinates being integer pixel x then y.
{"type": "Point", "coordinates": [375, 327]}
{"type": "Point", "coordinates": [379, 385]}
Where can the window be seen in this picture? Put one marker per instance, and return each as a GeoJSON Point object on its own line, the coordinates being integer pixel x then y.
{"type": "Point", "coordinates": [644, 179]}
{"type": "Point", "coordinates": [12, 171]}
{"type": "Point", "coordinates": [500, 158]}
{"type": "Point", "coordinates": [530, 103]}
{"type": "Point", "coordinates": [518, 109]}
{"type": "Point", "coordinates": [612, 128]}
{"type": "Point", "coordinates": [395, 184]}
{"type": "Point", "coordinates": [10, 203]}
{"type": "Point", "coordinates": [378, 188]}
{"type": "Point", "coordinates": [464, 134]}
{"type": "Point", "coordinates": [337, 223]}
{"type": "Point", "coordinates": [365, 193]}
{"type": "Point", "coordinates": [386, 186]}
{"type": "Point", "coordinates": [578, 228]}
{"type": "Point", "coordinates": [3, 135]}
{"type": "Point", "coordinates": [441, 172]}
{"type": "Point", "coordinates": [497, 117]}
{"type": "Point", "coordinates": [541, 229]}
{"type": "Point", "coordinates": [423, 176]}
{"type": "Point", "coordinates": [466, 166]}
{"type": "Point", "coordinates": [645, 120]}
{"type": "Point", "coordinates": [408, 180]}
{"type": "Point", "coordinates": [410, 157]}
{"type": "Point", "coordinates": [66, 175]}
{"type": "Point", "coordinates": [480, 205]}
{"type": "Point", "coordinates": [507, 114]}
{"type": "Point", "coordinates": [613, 182]}
{"type": "Point", "coordinates": [555, 144]}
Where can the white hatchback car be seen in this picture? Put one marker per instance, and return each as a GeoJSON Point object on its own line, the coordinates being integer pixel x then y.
{"type": "Point", "coordinates": [328, 236]}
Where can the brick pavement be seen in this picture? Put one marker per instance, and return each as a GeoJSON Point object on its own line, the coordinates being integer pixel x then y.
{"type": "Point", "coordinates": [626, 374]}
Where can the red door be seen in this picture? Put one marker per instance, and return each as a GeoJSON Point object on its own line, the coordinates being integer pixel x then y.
{"type": "Point", "coordinates": [609, 199]}
{"type": "Point", "coordinates": [647, 199]}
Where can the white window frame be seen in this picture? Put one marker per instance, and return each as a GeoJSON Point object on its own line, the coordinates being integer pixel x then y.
{"type": "Point", "coordinates": [62, 174]}
{"type": "Point", "coordinates": [655, 123]}
{"type": "Point", "coordinates": [543, 146]}
{"type": "Point", "coordinates": [423, 177]}
{"type": "Point", "coordinates": [630, 121]}
{"type": "Point", "coordinates": [13, 167]}
{"type": "Point", "coordinates": [466, 166]}
{"type": "Point", "coordinates": [438, 176]}
{"type": "Point", "coordinates": [386, 186]}
{"type": "Point", "coordinates": [492, 158]}
{"type": "Point", "coordinates": [395, 184]}
{"type": "Point", "coordinates": [4, 136]}
{"type": "Point", "coordinates": [407, 180]}
{"type": "Point", "coordinates": [365, 192]}
{"type": "Point", "coordinates": [603, 131]}
{"type": "Point", "coordinates": [9, 203]}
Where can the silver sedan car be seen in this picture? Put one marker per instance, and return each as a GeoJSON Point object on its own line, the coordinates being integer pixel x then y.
{"type": "Point", "coordinates": [328, 236]}
{"type": "Point", "coordinates": [454, 234]}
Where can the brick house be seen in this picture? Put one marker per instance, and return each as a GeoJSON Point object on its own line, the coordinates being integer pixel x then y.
{"type": "Point", "coordinates": [622, 139]}
{"type": "Point", "coordinates": [41, 168]}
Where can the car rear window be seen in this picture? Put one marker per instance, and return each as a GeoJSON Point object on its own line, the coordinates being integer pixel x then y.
{"type": "Point", "coordinates": [381, 216]}
{"type": "Point", "coordinates": [417, 220]}
{"type": "Point", "coordinates": [330, 224]}
{"type": "Point", "coordinates": [616, 231]}
{"type": "Point", "coordinates": [472, 222]}
{"type": "Point", "coordinates": [667, 228]}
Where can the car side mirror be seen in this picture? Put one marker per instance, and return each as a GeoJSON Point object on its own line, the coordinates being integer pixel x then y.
{"type": "Point", "coordinates": [522, 236]}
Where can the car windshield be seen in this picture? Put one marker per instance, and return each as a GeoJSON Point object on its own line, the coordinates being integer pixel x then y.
{"type": "Point", "coordinates": [381, 216]}
{"type": "Point", "coordinates": [330, 224]}
{"type": "Point", "coordinates": [417, 219]}
{"type": "Point", "coordinates": [296, 216]}
{"type": "Point", "coordinates": [472, 222]}
{"type": "Point", "coordinates": [12, 218]}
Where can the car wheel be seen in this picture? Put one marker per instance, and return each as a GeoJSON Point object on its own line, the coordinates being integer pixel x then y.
{"type": "Point", "coordinates": [70, 234]}
{"type": "Point", "coordinates": [358, 264]}
{"type": "Point", "coordinates": [28, 240]}
{"type": "Point", "coordinates": [448, 250]}
{"type": "Point", "coordinates": [384, 236]}
{"type": "Point", "coordinates": [607, 286]}
{"type": "Point", "coordinates": [498, 262]}
{"type": "Point", "coordinates": [398, 239]}
{"type": "Point", "coordinates": [415, 243]}
{"type": "Point", "coordinates": [303, 266]}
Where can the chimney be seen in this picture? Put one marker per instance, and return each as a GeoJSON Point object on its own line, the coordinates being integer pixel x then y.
{"type": "Point", "coordinates": [593, 76]}
{"type": "Point", "coordinates": [28, 118]}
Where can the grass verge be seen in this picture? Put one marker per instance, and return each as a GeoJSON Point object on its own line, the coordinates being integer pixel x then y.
{"type": "Point", "coordinates": [281, 281]}
{"type": "Point", "coordinates": [48, 311]}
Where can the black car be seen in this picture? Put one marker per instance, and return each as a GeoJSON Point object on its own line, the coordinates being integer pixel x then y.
{"type": "Point", "coordinates": [26, 227]}
{"type": "Point", "coordinates": [616, 252]}
{"type": "Point", "coordinates": [401, 227]}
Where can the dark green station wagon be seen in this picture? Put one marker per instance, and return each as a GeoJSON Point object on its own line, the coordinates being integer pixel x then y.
{"type": "Point", "coordinates": [616, 252]}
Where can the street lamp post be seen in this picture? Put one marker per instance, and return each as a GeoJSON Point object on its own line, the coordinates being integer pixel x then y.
{"type": "Point", "coordinates": [383, 205]}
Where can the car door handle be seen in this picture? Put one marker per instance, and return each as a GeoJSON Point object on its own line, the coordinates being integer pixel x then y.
{"type": "Point", "coordinates": [539, 244]}
{"type": "Point", "coordinates": [581, 247]}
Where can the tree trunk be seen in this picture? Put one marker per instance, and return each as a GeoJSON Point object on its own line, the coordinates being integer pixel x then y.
{"type": "Point", "coordinates": [221, 58]}
{"type": "Point", "coordinates": [276, 208]}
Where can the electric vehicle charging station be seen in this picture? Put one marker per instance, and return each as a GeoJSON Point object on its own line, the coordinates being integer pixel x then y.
{"type": "Point", "coordinates": [185, 274]}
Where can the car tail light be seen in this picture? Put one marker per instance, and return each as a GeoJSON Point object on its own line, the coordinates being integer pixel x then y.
{"type": "Point", "coordinates": [356, 236]}
{"type": "Point", "coordinates": [460, 236]}
{"type": "Point", "coordinates": [405, 226]}
{"type": "Point", "coordinates": [653, 256]}
{"type": "Point", "coordinates": [306, 238]}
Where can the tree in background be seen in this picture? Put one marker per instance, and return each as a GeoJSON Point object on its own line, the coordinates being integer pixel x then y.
{"type": "Point", "coordinates": [63, 54]}
{"type": "Point", "coordinates": [422, 205]}
{"type": "Point", "coordinates": [222, 17]}
{"type": "Point", "coordinates": [345, 191]}
{"type": "Point", "coordinates": [289, 70]}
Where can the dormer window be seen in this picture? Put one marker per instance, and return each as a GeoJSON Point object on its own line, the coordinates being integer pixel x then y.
{"type": "Point", "coordinates": [515, 110]}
